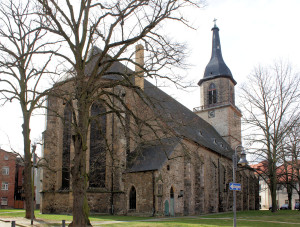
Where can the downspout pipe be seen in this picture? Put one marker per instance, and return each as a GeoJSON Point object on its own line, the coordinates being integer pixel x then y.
{"type": "Point", "coordinates": [112, 158]}
{"type": "Point", "coordinates": [153, 192]}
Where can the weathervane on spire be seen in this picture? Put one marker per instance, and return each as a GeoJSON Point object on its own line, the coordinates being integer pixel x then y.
{"type": "Point", "coordinates": [215, 20]}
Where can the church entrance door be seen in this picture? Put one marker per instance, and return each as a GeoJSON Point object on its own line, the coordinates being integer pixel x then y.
{"type": "Point", "coordinates": [166, 211]}
{"type": "Point", "coordinates": [172, 202]}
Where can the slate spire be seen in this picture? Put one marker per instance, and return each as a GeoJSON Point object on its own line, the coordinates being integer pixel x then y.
{"type": "Point", "coordinates": [216, 66]}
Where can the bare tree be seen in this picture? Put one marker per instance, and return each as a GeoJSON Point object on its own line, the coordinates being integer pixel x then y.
{"type": "Point", "coordinates": [285, 175]}
{"type": "Point", "coordinates": [291, 158]}
{"type": "Point", "coordinates": [115, 27]}
{"type": "Point", "coordinates": [270, 103]}
{"type": "Point", "coordinates": [21, 71]}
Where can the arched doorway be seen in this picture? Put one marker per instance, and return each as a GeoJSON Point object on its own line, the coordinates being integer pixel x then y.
{"type": "Point", "coordinates": [166, 210]}
{"type": "Point", "coordinates": [172, 202]}
{"type": "Point", "coordinates": [132, 198]}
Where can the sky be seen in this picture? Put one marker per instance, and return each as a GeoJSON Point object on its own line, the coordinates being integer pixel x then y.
{"type": "Point", "coordinates": [252, 32]}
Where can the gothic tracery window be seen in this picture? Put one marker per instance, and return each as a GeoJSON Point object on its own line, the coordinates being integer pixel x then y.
{"type": "Point", "coordinates": [97, 162]}
{"type": "Point", "coordinates": [65, 184]}
{"type": "Point", "coordinates": [212, 94]}
{"type": "Point", "coordinates": [127, 131]}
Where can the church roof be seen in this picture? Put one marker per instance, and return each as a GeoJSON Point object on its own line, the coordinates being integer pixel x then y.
{"type": "Point", "coordinates": [184, 123]}
{"type": "Point", "coordinates": [216, 67]}
{"type": "Point", "coordinates": [151, 156]}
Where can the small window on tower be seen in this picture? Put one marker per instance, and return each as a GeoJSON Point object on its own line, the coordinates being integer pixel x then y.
{"type": "Point", "coordinates": [212, 94]}
{"type": "Point", "coordinates": [231, 94]}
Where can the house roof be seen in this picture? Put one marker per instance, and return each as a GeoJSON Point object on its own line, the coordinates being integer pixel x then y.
{"type": "Point", "coordinates": [285, 172]}
{"type": "Point", "coordinates": [8, 152]}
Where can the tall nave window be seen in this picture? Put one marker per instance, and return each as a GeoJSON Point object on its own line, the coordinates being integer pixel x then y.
{"type": "Point", "coordinates": [65, 183]}
{"type": "Point", "coordinates": [98, 144]}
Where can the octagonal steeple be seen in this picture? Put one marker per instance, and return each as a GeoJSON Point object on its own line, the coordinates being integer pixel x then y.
{"type": "Point", "coordinates": [216, 66]}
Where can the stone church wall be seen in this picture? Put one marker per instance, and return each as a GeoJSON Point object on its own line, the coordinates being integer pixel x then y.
{"type": "Point", "coordinates": [143, 183]}
{"type": "Point", "coordinates": [198, 177]}
{"type": "Point", "coordinates": [55, 203]}
{"type": "Point", "coordinates": [172, 176]}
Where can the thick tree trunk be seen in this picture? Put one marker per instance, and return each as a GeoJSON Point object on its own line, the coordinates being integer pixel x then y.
{"type": "Point", "coordinates": [299, 196]}
{"type": "Point", "coordinates": [79, 175]}
{"type": "Point", "coordinates": [27, 168]}
{"type": "Point", "coordinates": [290, 195]}
{"type": "Point", "coordinates": [273, 186]}
{"type": "Point", "coordinates": [79, 185]}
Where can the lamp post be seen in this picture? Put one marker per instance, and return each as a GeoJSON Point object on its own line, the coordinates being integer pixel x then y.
{"type": "Point", "coordinates": [243, 161]}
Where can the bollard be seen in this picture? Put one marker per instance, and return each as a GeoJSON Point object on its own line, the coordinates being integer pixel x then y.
{"type": "Point", "coordinates": [63, 223]}
{"type": "Point", "coordinates": [13, 223]}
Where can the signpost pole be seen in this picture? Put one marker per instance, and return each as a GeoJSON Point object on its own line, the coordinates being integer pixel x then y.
{"type": "Point", "coordinates": [234, 191]}
{"type": "Point", "coordinates": [235, 186]}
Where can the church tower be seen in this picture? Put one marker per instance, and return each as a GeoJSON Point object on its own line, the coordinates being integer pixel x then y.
{"type": "Point", "coordinates": [217, 97]}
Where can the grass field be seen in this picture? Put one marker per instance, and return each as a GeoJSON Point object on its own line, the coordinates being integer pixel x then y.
{"type": "Point", "coordinates": [59, 218]}
{"type": "Point", "coordinates": [244, 218]}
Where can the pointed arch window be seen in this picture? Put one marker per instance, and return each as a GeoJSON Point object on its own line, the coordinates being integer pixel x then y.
{"type": "Point", "coordinates": [232, 95]}
{"type": "Point", "coordinates": [132, 198]}
{"type": "Point", "coordinates": [171, 192]}
{"type": "Point", "coordinates": [127, 132]}
{"type": "Point", "coordinates": [97, 162]}
{"type": "Point", "coordinates": [212, 94]}
{"type": "Point", "coordinates": [65, 182]}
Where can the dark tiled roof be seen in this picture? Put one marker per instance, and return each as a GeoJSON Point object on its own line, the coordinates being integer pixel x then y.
{"type": "Point", "coordinates": [115, 72]}
{"type": "Point", "coordinates": [216, 66]}
{"type": "Point", "coordinates": [186, 123]}
{"type": "Point", "coordinates": [151, 156]}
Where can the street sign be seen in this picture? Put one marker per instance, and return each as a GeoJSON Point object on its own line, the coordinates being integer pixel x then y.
{"type": "Point", "coordinates": [235, 186]}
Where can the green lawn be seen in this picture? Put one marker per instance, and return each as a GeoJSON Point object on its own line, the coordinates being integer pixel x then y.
{"type": "Point", "coordinates": [58, 217]}
{"type": "Point", "coordinates": [244, 218]}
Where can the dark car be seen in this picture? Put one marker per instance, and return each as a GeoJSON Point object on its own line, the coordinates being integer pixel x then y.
{"type": "Point", "coordinates": [284, 207]}
{"type": "Point", "coordinates": [297, 206]}
{"type": "Point", "coordinates": [270, 208]}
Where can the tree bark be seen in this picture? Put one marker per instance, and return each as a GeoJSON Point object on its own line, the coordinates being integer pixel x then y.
{"type": "Point", "coordinates": [290, 195]}
{"type": "Point", "coordinates": [273, 184]}
{"type": "Point", "coordinates": [78, 170]}
{"type": "Point", "coordinates": [27, 165]}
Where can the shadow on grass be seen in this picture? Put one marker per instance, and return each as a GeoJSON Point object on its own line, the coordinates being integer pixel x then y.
{"type": "Point", "coordinates": [245, 218]}
{"type": "Point", "coordinates": [200, 222]}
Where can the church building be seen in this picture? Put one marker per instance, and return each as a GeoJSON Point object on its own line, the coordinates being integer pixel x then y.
{"type": "Point", "coordinates": [180, 165]}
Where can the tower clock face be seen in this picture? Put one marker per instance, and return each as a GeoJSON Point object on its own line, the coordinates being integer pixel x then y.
{"type": "Point", "coordinates": [211, 113]}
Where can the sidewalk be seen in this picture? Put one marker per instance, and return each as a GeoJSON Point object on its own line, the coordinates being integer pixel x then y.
{"type": "Point", "coordinates": [22, 222]}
